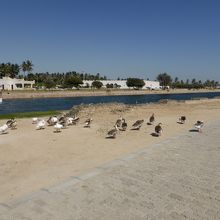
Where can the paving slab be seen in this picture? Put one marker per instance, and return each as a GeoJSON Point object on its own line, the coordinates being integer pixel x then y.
{"type": "Point", "coordinates": [175, 179]}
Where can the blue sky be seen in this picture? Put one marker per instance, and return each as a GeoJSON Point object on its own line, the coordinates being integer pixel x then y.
{"type": "Point", "coordinates": [114, 37]}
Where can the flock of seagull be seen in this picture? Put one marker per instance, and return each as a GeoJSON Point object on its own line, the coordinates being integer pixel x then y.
{"type": "Point", "coordinates": [63, 121]}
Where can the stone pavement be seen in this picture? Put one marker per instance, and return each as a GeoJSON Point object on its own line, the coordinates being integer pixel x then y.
{"type": "Point", "coordinates": [176, 179]}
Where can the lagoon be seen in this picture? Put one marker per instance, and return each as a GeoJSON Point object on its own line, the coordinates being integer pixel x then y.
{"type": "Point", "coordinates": [47, 104]}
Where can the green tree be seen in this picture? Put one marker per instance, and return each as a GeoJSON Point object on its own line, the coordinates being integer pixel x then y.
{"type": "Point", "coordinates": [9, 69]}
{"type": "Point", "coordinates": [97, 84]}
{"type": "Point", "coordinates": [72, 81]}
{"type": "Point", "coordinates": [49, 83]}
{"type": "Point", "coordinates": [27, 66]}
{"type": "Point", "coordinates": [135, 83]}
{"type": "Point", "coordinates": [164, 79]}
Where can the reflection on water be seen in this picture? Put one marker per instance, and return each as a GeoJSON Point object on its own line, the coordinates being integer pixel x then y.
{"type": "Point", "coordinates": [46, 104]}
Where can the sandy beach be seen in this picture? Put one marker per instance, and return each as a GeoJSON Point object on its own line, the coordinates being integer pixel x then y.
{"type": "Point", "coordinates": [31, 159]}
{"type": "Point", "coordinates": [102, 92]}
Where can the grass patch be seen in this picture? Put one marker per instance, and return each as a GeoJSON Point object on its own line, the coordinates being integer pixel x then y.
{"type": "Point", "coordinates": [29, 114]}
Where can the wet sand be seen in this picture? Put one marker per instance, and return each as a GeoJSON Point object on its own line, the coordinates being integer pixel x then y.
{"type": "Point", "coordinates": [32, 159]}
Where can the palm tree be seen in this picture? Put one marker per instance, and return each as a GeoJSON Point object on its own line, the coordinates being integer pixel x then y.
{"type": "Point", "coordinates": [27, 66]}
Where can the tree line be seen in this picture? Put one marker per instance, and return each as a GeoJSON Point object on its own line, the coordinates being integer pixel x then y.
{"type": "Point", "coordinates": [74, 79]}
{"type": "Point", "coordinates": [166, 80]}
{"type": "Point", "coordinates": [62, 80]}
{"type": "Point", "coordinates": [13, 69]}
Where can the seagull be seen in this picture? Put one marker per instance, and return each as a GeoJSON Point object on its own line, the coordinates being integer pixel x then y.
{"type": "Point", "coordinates": [12, 123]}
{"type": "Point", "coordinates": [52, 120]}
{"type": "Point", "coordinates": [199, 125]}
{"type": "Point", "coordinates": [69, 121]}
{"type": "Point", "coordinates": [41, 124]}
{"type": "Point", "coordinates": [58, 127]}
{"type": "Point", "coordinates": [151, 119]}
{"type": "Point", "coordinates": [35, 120]}
{"type": "Point", "coordinates": [182, 119]}
{"type": "Point", "coordinates": [3, 129]}
{"type": "Point", "coordinates": [158, 129]}
{"type": "Point", "coordinates": [112, 133]}
{"type": "Point", "coordinates": [137, 125]}
{"type": "Point", "coordinates": [123, 125]}
{"type": "Point", "coordinates": [87, 123]}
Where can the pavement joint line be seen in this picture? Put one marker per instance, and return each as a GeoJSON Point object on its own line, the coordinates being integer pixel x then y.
{"type": "Point", "coordinates": [112, 164]}
{"type": "Point", "coordinates": [92, 173]}
{"type": "Point", "coordinates": [72, 181]}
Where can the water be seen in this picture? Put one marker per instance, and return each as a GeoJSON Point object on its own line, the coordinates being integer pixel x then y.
{"type": "Point", "coordinates": [46, 104]}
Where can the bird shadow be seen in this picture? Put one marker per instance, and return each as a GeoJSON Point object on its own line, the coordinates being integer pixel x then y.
{"type": "Point", "coordinates": [155, 134]}
{"type": "Point", "coordinates": [135, 129]}
{"type": "Point", "coordinates": [193, 130]}
{"type": "Point", "coordinates": [148, 123]}
{"type": "Point", "coordinates": [178, 122]}
{"type": "Point", "coordinates": [4, 133]}
{"type": "Point", "coordinates": [109, 137]}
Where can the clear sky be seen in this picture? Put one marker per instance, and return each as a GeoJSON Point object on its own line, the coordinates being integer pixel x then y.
{"type": "Point", "coordinates": [123, 38]}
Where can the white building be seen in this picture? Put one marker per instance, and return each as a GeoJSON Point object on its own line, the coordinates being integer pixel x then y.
{"type": "Point", "coordinates": [122, 84]}
{"type": "Point", "coordinates": [7, 83]}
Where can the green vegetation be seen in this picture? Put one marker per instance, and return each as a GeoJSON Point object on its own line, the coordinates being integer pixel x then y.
{"type": "Point", "coordinates": [9, 69]}
{"type": "Point", "coordinates": [72, 79]}
{"type": "Point", "coordinates": [12, 70]}
{"type": "Point", "coordinates": [135, 83]}
{"type": "Point", "coordinates": [97, 84]}
{"type": "Point", "coordinates": [29, 114]}
{"type": "Point", "coordinates": [166, 80]}
{"type": "Point", "coordinates": [27, 66]}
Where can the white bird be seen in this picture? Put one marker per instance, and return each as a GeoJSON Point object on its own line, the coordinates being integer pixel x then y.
{"type": "Point", "coordinates": [3, 129]}
{"type": "Point", "coordinates": [69, 121]}
{"type": "Point", "coordinates": [41, 124]}
{"type": "Point", "coordinates": [112, 133]}
{"type": "Point", "coordinates": [52, 120]}
{"type": "Point", "coordinates": [198, 125]}
{"type": "Point", "coordinates": [35, 120]}
{"type": "Point", "coordinates": [58, 127]}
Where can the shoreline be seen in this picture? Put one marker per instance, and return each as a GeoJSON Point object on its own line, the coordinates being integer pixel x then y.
{"type": "Point", "coordinates": [82, 93]}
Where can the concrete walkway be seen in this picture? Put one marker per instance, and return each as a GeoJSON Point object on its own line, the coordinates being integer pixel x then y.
{"type": "Point", "coordinates": [176, 179]}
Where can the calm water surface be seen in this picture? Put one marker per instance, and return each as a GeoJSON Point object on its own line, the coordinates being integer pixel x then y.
{"type": "Point", "coordinates": [46, 104]}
